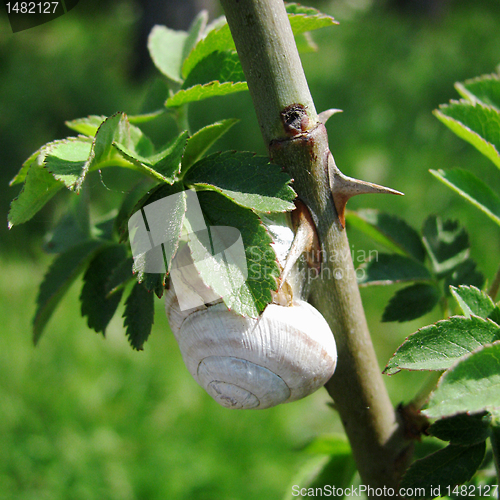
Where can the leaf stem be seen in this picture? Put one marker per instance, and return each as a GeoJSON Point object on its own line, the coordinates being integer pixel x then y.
{"type": "Point", "coordinates": [495, 285]}
{"type": "Point", "coordinates": [298, 142]}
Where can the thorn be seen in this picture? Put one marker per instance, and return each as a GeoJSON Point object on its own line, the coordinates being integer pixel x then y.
{"type": "Point", "coordinates": [344, 187]}
{"type": "Point", "coordinates": [324, 115]}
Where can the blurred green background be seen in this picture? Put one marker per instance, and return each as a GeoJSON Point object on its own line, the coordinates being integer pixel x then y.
{"type": "Point", "coordinates": [86, 418]}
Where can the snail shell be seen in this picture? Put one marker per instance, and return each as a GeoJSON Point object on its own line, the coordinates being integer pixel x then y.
{"type": "Point", "coordinates": [283, 355]}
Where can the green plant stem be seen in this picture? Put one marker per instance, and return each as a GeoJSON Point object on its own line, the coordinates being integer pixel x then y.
{"type": "Point", "coordinates": [276, 81]}
{"type": "Point", "coordinates": [423, 394]}
{"type": "Point", "coordinates": [495, 285]}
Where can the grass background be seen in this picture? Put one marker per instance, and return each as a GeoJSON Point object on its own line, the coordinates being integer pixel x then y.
{"type": "Point", "coordinates": [82, 417]}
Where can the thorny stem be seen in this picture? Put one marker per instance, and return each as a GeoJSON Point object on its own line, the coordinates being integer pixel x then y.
{"type": "Point", "coordinates": [298, 142]}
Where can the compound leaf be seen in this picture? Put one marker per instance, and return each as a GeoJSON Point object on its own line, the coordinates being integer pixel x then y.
{"type": "Point", "coordinates": [200, 92]}
{"type": "Point", "coordinates": [475, 123]}
{"type": "Point", "coordinates": [438, 346]}
{"type": "Point", "coordinates": [411, 302]}
{"type": "Point", "coordinates": [388, 230]}
{"type": "Point", "coordinates": [199, 143]}
{"type": "Point", "coordinates": [139, 316]}
{"type": "Point", "coordinates": [450, 466]}
{"type": "Point", "coordinates": [472, 189]}
{"type": "Point", "coordinates": [61, 274]}
{"type": "Point", "coordinates": [96, 304]}
{"type": "Point", "coordinates": [248, 180]}
{"type": "Point", "coordinates": [462, 429]}
{"type": "Point", "coordinates": [483, 89]}
{"type": "Point", "coordinates": [471, 385]}
{"type": "Point", "coordinates": [387, 269]}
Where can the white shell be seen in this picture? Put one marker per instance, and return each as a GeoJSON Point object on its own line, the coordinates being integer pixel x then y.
{"type": "Point", "coordinates": [284, 355]}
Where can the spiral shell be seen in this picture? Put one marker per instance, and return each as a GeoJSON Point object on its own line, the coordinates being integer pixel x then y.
{"type": "Point", "coordinates": [279, 357]}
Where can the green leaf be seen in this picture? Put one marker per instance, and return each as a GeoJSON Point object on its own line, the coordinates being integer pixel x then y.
{"type": "Point", "coordinates": [199, 143]}
{"type": "Point", "coordinates": [450, 466]}
{"type": "Point", "coordinates": [200, 92]}
{"type": "Point", "coordinates": [162, 214]}
{"type": "Point", "coordinates": [472, 189]}
{"type": "Point", "coordinates": [220, 66]}
{"type": "Point", "coordinates": [61, 274]}
{"type": "Point", "coordinates": [119, 276]}
{"type": "Point", "coordinates": [331, 463]}
{"type": "Point", "coordinates": [218, 39]}
{"type": "Point", "coordinates": [39, 187]}
{"type": "Point", "coordinates": [473, 385]}
{"type": "Point", "coordinates": [248, 180]}
{"type": "Point", "coordinates": [473, 301]}
{"type": "Point", "coordinates": [195, 33]}
{"type": "Point", "coordinates": [388, 230]}
{"type": "Point", "coordinates": [66, 160]}
{"type": "Point", "coordinates": [411, 303]}
{"type": "Point", "coordinates": [304, 19]}
{"type": "Point", "coordinates": [139, 316]}
{"type": "Point", "coordinates": [96, 305]}
{"type": "Point", "coordinates": [387, 269]}
{"type": "Point", "coordinates": [462, 429]}
{"type": "Point", "coordinates": [263, 269]}
{"type": "Point", "coordinates": [165, 165]}
{"type": "Point", "coordinates": [73, 227]}
{"type": "Point", "coordinates": [86, 126]}
{"type": "Point", "coordinates": [447, 244]}
{"type": "Point", "coordinates": [166, 48]}
{"type": "Point", "coordinates": [477, 124]}
{"type": "Point", "coordinates": [464, 274]}
{"type": "Point", "coordinates": [438, 346]}
{"type": "Point", "coordinates": [37, 157]}
{"type": "Point", "coordinates": [483, 89]}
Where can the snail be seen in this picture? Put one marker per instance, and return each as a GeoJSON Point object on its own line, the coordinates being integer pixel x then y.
{"type": "Point", "coordinates": [285, 354]}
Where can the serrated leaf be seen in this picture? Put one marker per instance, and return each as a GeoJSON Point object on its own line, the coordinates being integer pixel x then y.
{"type": "Point", "coordinates": [462, 429]}
{"type": "Point", "coordinates": [464, 274]}
{"type": "Point", "coordinates": [475, 123]}
{"type": "Point", "coordinates": [73, 227]}
{"type": "Point", "coordinates": [200, 92]}
{"type": "Point", "coordinates": [472, 189]}
{"type": "Point", "coordinates": [165, 165]}
{"type": "Point", "coordinates": [248, 180]}
{"type": "Point", "coordinates": [263, 269]}
{"type": "Point", "coordinates": [37, 157]}
{"type": "Point", "coordinates": [447, 244]}
{"type": "Point", "coordinates": [119, 276]}
{"type": "Point", "coordinates": [217, 39]}
{"type": "Point", "coordinates": [67, 159]}
{"type": "Point", "coordinates": [139, 316]}
{"type": "Point", "coordinates": [472, 384]}
{"type": "Point", "coordinates": [96, 304]}
{"type": "Point", "coordinates": [87, 126]}
{"type": "Point", "coordinates": [199, 143]}
{"type": "Point", "coordinates": [473, 301]}
{"type": "Point", "coordinates": [166, 48]}
{"type": "Point", "coordinates": [156, 236]}
{"type": "Point", "coordinates": [217, 66]}
{"type": "Point", "coordinates": [387, 269]}
{"type": "Point", "coordinates": [302, 21]}
{"type": "Point", "coordinates": [483, 89]}
{"type": "Point", "coordinates": [39, 187]}
{"type": "Point", "coordinates": [195, 33]}
{"type": "Point", "coordinates": [450, 466]}
{"type": "Point", "coordinates": [388, 230]}
{"type": "Point", "coordinates": [61, 274]}
{"type": "Point", "coordinates": [438, 346]}
{"type": "Point", "coordinates": [411, 303]}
